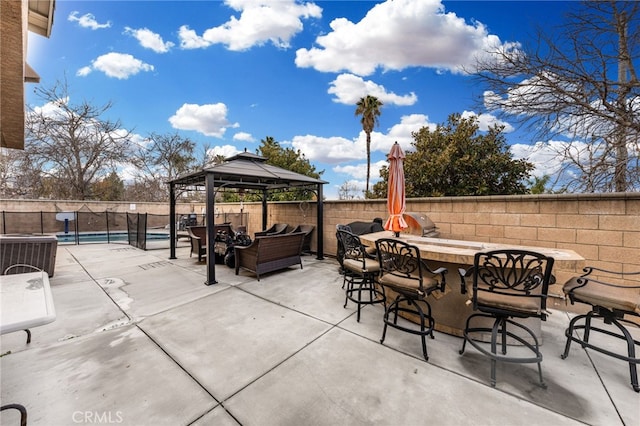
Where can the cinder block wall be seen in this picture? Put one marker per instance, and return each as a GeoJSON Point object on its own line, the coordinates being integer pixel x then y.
{"type": "Point", "coordinates": [603, 228]}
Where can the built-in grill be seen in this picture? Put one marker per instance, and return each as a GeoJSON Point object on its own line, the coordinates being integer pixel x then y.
{"type": "Point", "coordinates": [420, 224]}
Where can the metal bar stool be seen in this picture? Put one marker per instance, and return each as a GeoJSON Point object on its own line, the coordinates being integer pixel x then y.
{"type": "Point", "coordinates": [507, 284]}
{"type": "Point", "coordinates": [609, 302]}
{"type": "Point", "coordinates": [402, 271]}
{"type": "Point", "coordinates": [360, 272]}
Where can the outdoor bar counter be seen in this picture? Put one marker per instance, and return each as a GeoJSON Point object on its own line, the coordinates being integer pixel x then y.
{"type": "Point", "coordinates": [450, 309]}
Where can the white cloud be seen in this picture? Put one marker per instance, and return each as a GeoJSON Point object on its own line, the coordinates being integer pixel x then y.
{"type": "Point", "coordinates": [149, 40]}
{"type": "Point", "coordinates": [259, 22]}
{"type": "Point", "coordinates": [190, 40]}
{"type": "Point", "coordinates": [52, 109]}
{"type": "Point", "coordinates": [339, 150]}
{"type": "Point", "coordinates": [398, 34]}
{"type": "Point", "coordinates": [244, 136]}
{"type": "Point", "coordinates": [117, 65]}
{"type": "Point", "coordinates": [349, 88]}
{"type": "Point", "coordinates": [84, 71]}
{"type": "Point", "coordinates": [128, 172]}
{"type": "Point", "coordinates": [225, 150]}
{"type": "Point", "coordinates": [485, 121]}
{"type": "Point", "coordinates": [139, 140]}
{"type": "Point", "coordinates": [332, 150]}
{"type": "Point", "coordinates": [349, 156]}
{"type": "Point", "coordinates": [359, 171]}
{"type": "Point", "coordinates": [401, 132]}
{"type": "Point", "coordinates": [87, 21]}
{"type": "Point", "coordinates": [210, 119]}
{"type": "Point", "coordinates": [545, 156]}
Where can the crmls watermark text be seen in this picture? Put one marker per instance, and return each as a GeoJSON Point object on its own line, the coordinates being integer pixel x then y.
{"type": "Point", "coordinates": [97, 417]}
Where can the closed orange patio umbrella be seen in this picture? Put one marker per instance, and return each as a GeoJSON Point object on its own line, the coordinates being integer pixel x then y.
{"type": "Point", "coordinates": [395, 192]}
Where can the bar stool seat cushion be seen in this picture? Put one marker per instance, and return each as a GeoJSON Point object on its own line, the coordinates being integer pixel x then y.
{"type": "Point", "coordinates": [619, 298]}
{"type": "Point", "coordinates": [525, 305]}
{"type": "Point", "coordinates": [407, 284]}
{"type": "Point", "coordinates": [355, 265]}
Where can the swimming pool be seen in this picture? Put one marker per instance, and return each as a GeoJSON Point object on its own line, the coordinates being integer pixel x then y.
{"type": "Point", "coordinates": [103, 237]}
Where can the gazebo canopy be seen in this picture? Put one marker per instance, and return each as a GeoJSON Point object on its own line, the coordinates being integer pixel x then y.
{"type": "Point", "coordinates": [249, 171]}
{"type": "Point", "coordinates": [243, 171]}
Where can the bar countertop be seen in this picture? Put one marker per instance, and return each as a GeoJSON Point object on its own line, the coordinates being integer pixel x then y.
{"type": "Point", "coordinates": [462, 252]}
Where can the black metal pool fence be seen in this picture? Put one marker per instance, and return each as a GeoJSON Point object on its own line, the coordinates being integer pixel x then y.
{"type": "Point", "coordinates": [85, 226]}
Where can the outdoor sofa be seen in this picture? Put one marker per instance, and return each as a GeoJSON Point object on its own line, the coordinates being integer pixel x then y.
{"type": "Point", "coordinates": [270, 253]}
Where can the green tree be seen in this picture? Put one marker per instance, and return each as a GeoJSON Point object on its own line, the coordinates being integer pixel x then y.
{"type": "Point", "coordinates": [539, 184]}
{"type": "Point", "coordinates": [456, 160]}
{"type": "Point", "coordinates": [110, 188]}
{"type": "Point", "coordinates": [369, 110]}
{"type": "Point", "coordinates": [289, 159]}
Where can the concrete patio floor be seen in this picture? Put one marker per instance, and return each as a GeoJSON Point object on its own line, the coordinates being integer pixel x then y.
{"type": "Point", "coordinates": [140, 340]}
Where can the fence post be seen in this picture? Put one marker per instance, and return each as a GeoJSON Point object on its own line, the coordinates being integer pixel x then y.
{"type": "Point", "coordinates": [106, 213]}
{"type": "Point", "coordinates": [76, 227]}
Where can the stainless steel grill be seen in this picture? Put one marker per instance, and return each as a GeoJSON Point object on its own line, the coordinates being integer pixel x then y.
{"type": "Point", "coordinates": [420, 224]}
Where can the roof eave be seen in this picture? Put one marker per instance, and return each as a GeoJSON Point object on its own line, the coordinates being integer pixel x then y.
{"type": "Point", "coordinates": [41, 16]}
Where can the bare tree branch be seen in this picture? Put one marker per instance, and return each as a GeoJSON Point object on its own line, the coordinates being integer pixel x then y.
{"type": "Point", "coordinates": [580, 84]}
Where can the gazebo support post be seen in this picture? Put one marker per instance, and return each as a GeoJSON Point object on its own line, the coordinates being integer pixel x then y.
{"type": "Point", "coordinates": [173, 236]}
{"type": "Point", "coordinates": [211, 205]}
{"type": "Point", "coordinates": [320, 221]}
{"type": "Point", "coordinates": [264, 209]}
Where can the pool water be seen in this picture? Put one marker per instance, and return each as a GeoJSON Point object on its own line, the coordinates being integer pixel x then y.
{"type": "Point", "coordinates": [101, 237]}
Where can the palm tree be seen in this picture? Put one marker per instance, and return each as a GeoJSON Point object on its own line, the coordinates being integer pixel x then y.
{"type": "Point", "coordinates": [369, 108]}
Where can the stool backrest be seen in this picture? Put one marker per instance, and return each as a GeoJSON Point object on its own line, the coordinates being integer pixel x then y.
{"type": "Point", "coordinates": [507, 277]}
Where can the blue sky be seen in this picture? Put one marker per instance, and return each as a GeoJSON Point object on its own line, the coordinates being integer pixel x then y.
{"type": "Point", "coordinates": [230, 73]}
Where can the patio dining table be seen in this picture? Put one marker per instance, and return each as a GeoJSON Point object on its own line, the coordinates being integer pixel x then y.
{"type": "Point", "coordinates": [450, 308]}
{"type": "Point", "coordinates": [25, 301]}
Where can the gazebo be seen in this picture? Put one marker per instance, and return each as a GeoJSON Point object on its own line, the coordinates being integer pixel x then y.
{"type": "Point", "coordinates": [248, 172]}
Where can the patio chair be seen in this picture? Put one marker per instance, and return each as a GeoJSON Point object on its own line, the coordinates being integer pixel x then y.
{"type": "Point", "coordinates": [340, 247]}
{"type": "Point", "coordinates": [611, 299]}
{"type": "Point", "coordinates": [360, 274]}
{"type": "Point", "coordinates": [275, 229]}
{"type": "Point", "coordinates": [198, 239]}
{"type": "Point", "coordinates": [404, 272]}
{"type": "Point", "coordinates": [508, 284]}
{"type": "Point", "coordinates": [308, 231]}
{"type": "Point", "coordinates": [358, 228]}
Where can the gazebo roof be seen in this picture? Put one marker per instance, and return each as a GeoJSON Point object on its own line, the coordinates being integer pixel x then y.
{"type": "Point", "coordinates": [248, 171]}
